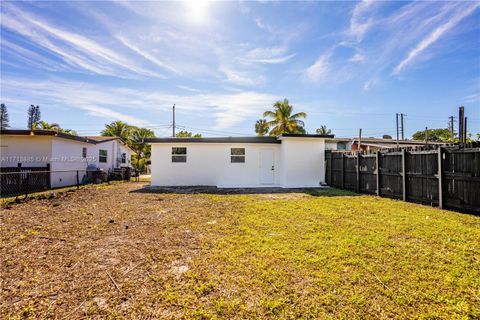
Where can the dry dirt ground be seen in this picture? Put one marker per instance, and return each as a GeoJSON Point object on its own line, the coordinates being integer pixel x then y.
{"type": "Point", "coordinates": [112, 252]}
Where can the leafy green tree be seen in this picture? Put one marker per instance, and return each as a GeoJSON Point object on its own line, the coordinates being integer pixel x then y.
{"type": "Point", "coordinates": [136, 141]}
{"type": "Point", "coordinates": [438, 135]}
{"type": "Point", "coordinates": [118, 129]}
{"type": "Point", "coordinates": [261, 127]}
{"type": "Point", "coordinates": [4, 120]}
{"type": "Point", "coordinates": [323, 130]}
{"type": "Point", "coordinates": [33, 116]}
{"type": "Point", "coordinates": [283, 120]}
{"type": "Point", "coordinates": [187, 134]}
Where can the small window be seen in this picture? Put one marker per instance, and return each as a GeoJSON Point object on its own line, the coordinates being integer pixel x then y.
{"type": "Point", "coordinates": [124, 158]}
{"type": "Point", "coordinates": [179, 154]}
{"type": "Point", "coordinates": [237, 155]}
{"type": "Point", "coordinates": [84, 152]}
{"type": "Point", "coordinates": [102, 155]}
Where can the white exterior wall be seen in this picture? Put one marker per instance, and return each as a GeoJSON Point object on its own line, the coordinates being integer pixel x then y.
{"type": "Point", "coordinates": [114, 150]}
{"type": "Point", "coordinates": [303, 162]}
{"type": "Point", "coordinates": [209, 164]}
{"type": "Point", "coordinates": [30, 151]}
{"type": "Point", "coordinates": [67, 155]}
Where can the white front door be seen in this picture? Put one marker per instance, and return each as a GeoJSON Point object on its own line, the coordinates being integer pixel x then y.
{"type": "Point", "coordinates": [267, 166]}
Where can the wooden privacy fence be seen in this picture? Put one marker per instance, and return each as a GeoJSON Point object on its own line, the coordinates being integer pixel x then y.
{"type": "Point", "coordinates": [445, 177]}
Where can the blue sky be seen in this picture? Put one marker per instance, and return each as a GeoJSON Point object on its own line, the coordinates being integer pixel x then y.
{"type": "Point", "coordinates": [348, 65]}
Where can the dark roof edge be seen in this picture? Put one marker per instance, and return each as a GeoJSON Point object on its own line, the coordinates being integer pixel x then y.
{"type": "Point", "coordinates": [299, 135]}
{"type": "Point", "coordinates": [215, 140]}
{"type": "Point", "coordinates": [58, 135]}
{"type": "Point", "coordinates": [46, 133]}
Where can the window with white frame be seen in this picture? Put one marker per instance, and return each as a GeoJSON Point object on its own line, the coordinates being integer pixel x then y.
{"type": "Point", "coordinates": [102, 155]}
{"type": "Point", "coordinates": [179, 154]}
{"type": "Point", "coordinates": [237, 155]}
{"type": "Point", "coordinates": [124, 157]}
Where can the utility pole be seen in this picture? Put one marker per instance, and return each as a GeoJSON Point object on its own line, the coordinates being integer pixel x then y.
{"type": "Point", "coordinates": [401, 121]}
{"type": "Point", "coordinates": [397, 128]}
{"type": "Point", "coordinates": [461, 123]}
{"type": "Point", "coordinates": [173, 125]}
{"type": "Point", "coordinates": [465, 130]}
{"type": "Point", "coordinates": [426, 135]}
{"type": "Point", "coordinates": [359, 140]}
{"type": "Point", "coordinates": [452, 130]}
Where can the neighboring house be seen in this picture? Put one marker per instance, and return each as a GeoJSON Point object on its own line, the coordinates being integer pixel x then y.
{"type": "Point", "coordinates": [289, 161]}
{"type": "Point", "coordinates": [372, 144]}
{"type": "Point", "coordinates": [61, 152]}
{"type": "Point", "coordinates": [112, 152]}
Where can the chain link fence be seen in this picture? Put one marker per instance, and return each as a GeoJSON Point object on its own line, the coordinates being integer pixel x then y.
{"type": "Point", "coordinates": [18, 181]}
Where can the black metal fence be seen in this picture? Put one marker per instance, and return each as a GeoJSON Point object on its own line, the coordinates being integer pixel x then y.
{"type": "Point", "coordinates": [445, 177]}
{"type": "Point", "coordinates": [26, 180]}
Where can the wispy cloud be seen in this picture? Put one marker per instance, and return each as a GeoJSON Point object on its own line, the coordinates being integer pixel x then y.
{"type": "Point", "coordinates": [272, 55]}
{"type": "Point", "coordinates": [319, 70]}
{"type": "Point", "coordinates": [360, 21]}
{"type": "Point", "coordinates": [118, 103]}
{"type": "Point", "coordinates": [145, 54]}
{"type": "Point", "coordinates": [241, 78]}
{"type": "Point", "coordinates": [357, 57]}
{"type": "Point", "coordinates": [435, 35]}
{"type": "Point", "coordinates": [75, 48]}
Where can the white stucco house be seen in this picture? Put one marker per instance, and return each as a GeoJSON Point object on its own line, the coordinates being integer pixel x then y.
{"type": "Point", "coordinates": [287, 161]}
{"type": "Point", "coordinates": [61, 152]}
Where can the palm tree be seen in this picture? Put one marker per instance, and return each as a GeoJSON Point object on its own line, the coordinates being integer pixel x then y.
{"type": "Point", "coordinates": [117, 129]}
{"type": "Point", "coordinates": [138, 144]}
{"type": "Point", "coordinates": [323, 130]}
{"type": "Point", "coordinates": [43, 125]}
{"type": "Point", "coordinates": [283, 121]}
{"type": "Point", "coordinates": [261, 127]}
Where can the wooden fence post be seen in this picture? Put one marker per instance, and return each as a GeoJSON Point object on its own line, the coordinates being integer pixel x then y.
{"type": "Point", "coordinates": [358, 172]}
{"type": "Point", "coordinates": [440, 177]}
{"type": "Point", "coordinates": [404, 174]}
{"type": "Point", "coordinates": [377, 163]}
{"type": "Point", "coordinates": [343, 170]}
{"type": "Point", "coordinates": [78, 181]}
{"type": "Point", "coordinates": [330, 164]}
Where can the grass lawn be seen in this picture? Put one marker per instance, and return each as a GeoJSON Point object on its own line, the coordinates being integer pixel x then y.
{"type": "Point", "coordinates": [112, 252]}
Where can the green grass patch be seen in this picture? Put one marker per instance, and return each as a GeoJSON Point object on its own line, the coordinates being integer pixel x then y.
{"type": "Point", "coordinates": [334, 257]}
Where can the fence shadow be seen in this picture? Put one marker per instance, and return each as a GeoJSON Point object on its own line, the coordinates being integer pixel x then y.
{"type": "Point", "coordinates": [316, 192]}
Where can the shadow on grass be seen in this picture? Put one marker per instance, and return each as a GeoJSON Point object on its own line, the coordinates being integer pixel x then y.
{"type": "Point", "coordinates": [316, 192]}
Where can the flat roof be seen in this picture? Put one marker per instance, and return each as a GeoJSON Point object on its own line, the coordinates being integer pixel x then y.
{"type": "Point", "coordinates": [215, 140]}
{"type": "Point", "coordinates": [299, 135]}
{"type": "Point", "coordinates": [267, 139]}
{"type": "Point", "coordinates": [90, 139]}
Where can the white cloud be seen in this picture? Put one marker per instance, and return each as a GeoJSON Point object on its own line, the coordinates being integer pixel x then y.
{"type": "Point", "coordinates": [369, 84]}
{"type": "Point", "coordinates": [359, 23]}
{"type": "Point", "coordinates": [189, 88]}
{"type": "Point", "coordinates": [319, 70]}
{"type": "Point", "coordinates": [75, 48]}
{"type": "Point", "coordinates": [472, 98]}
{"type": "Point", "coordinates": [271, 55]}
{"type": "Point", "coordinates": [117, 103]}
{"type": "Point", "coordinates": [145, 54]}
{"type": "Point", "coordinates": [357, 57]}
{"type": "Point", "coordinates": [434, 36]}
{"type": "Point", "coordinates": [241, 78]}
